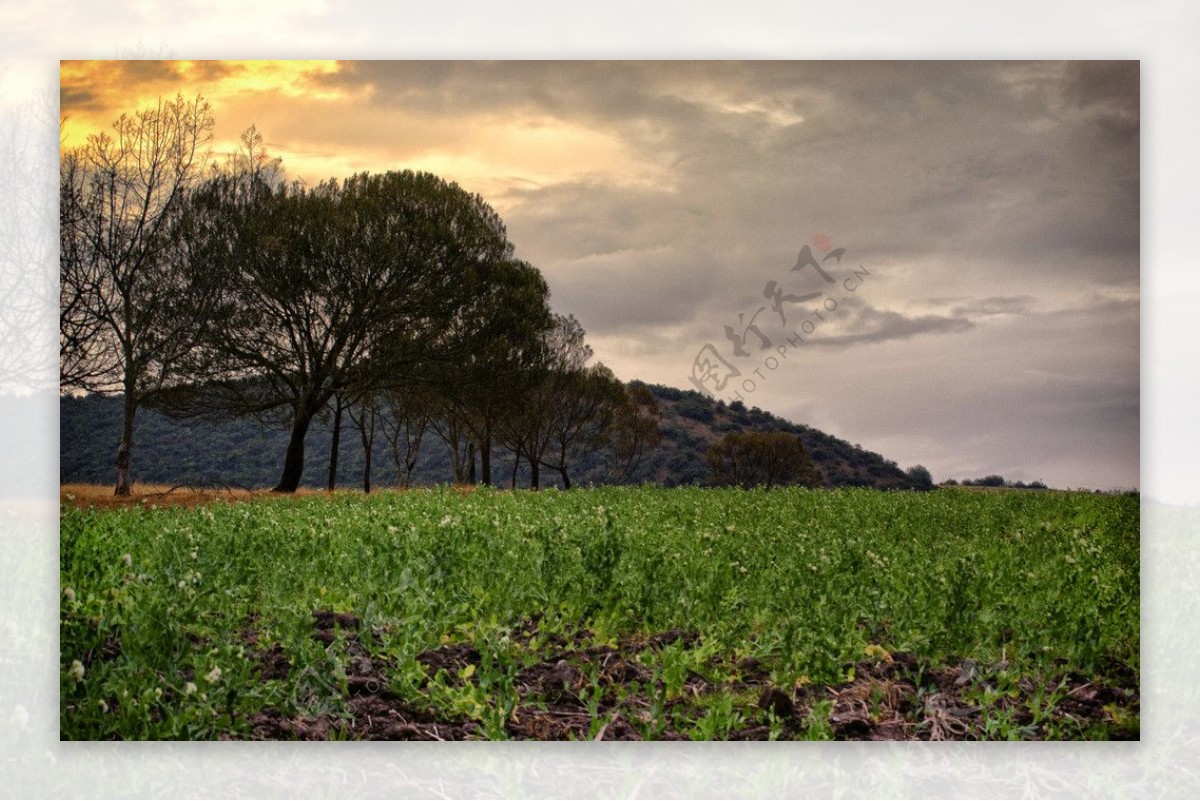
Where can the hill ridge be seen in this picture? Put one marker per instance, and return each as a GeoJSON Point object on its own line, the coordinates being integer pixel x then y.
{"type": "Point", "coordinates": [247, 453]}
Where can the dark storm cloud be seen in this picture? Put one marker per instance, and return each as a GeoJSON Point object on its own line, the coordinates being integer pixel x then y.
{"type": "Point", "coordinates": [80, 99]}
{"type": "Point", "coordinates": [104, 88]}
{"type": "Point", "coordinates": [1110, 89]}
{"type": "Point", "coordinates": [591, 219]}
{"type": "Point", "coordinates": [149, 71]}
{"type": "Point", "coordinates": [912, 158]}
{"type": "Point", "coordinates": [986, 307]}
{"type": "Point", "coordinates": [155, 73]}
{"type": "Point", "coordinates": [868, 325]}
{"type": "Point", "coordinates": [1051, 396]}
{"type": "Point", "coordinates": [645, 291]}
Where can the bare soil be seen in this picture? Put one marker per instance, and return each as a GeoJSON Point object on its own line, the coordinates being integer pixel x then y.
{"type": "Point", "coordinates": [895, 697]}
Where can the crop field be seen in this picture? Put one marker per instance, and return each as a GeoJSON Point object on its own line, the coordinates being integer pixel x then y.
{"type": "Point", "coordinates": [612, 613]}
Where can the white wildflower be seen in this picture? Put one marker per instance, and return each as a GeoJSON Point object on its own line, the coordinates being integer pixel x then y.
{"type": "Point", "coordinates": [189, 688]}
{"type": "Point", "coordinates": [213, 675]}
{"type": "Point", "coordinates": [127, 559]}
{"type": "Point", "coordinates": [77, 670]}
{"type": "Point", "coordinates": [69, 594]}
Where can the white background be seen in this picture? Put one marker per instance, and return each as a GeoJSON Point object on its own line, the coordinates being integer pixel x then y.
{"type": "Point", "coordinates": [34, 36]}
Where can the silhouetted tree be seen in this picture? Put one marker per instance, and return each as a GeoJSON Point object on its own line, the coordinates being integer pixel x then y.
{"type": "Point", "coordinates": [365, 414]}
{"type": "Point", "coordinates": [27, 292]}
{"type": "Point", "coordinates": [759, 459]}
{"type": "Point", "coordinates": [987, 481]}
{"type": "Point", "coordinates": [634, 431]}
{"type": "Point", "coordinates": [407, 412]}
{"type": "Point", "coordinates": [920, 478]}
{"type": "Point", "coordinates": [333, 288]}
{"type": "Point", "coordinates": [507, 346]}
{"type": "Point", "coordinates": [584, 409]}
{"type": "Point", "coordinates": [131, 303]}
{"type": "Point", "coordinates": [529, 426]}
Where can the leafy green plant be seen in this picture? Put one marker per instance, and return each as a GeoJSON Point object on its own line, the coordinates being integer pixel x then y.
{"type": "Point", "coordinates": [801, 583]}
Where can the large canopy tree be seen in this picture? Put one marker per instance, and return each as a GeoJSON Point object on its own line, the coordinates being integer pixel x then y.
{"type": "Point", "coordinates": [501, 337]}
{"type": "Point", "coordinates": [344, 286]}
{"type": "Point", "coordinates": [130, 305]}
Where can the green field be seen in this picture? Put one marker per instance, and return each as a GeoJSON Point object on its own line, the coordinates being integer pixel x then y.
{"type": "Point", "coordinates": [615, 613]}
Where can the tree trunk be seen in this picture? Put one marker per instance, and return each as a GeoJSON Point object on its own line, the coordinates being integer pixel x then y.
{"type": "Point", "coordinates": [337, 436]}
{"type": "Point", "coordinates": [533, 474]}
{"type": "Point", "coordinates": [454, 441]}
{"type": "Point", "coordinates": [367, 473]}
{"type": "Point", "coordinates": [485, 455]}
{"type": "Point", "coordinates": [125, 448]}
{"type": "Point", "coordinates": [366, 430]}
{"type": "Point", "coordinates": [562, 467]}
{"type": "Point", "coordinates": [293, 463]}
{"type": "Point", "coordinates": [471, 463]}
{"type": "Point", "coordinates": [516, 464]}
{"type": "Point", "coordinates": [409, 466]}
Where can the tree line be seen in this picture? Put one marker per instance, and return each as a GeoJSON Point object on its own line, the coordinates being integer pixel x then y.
{"type": "Point", "coordinates": [217, 291]}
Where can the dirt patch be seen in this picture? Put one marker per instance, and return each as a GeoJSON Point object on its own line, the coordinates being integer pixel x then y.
{"type": "Point", "coordinates": [328, 624]}
{"type": "Point", "coordinates": [149, 496]}
{"type": "Point", "coordinates": [450, 658]}
{"type": "Point", "coordinates": [577, 690]}
{"type": "Point", "coordinates": [372, 711]}
{"type": "Point", "coordinates": [271, 662]}
{"type": "Point", "coordinates": [376, 716]}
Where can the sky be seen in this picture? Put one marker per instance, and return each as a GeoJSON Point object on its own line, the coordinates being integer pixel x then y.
{"type": "Point", "coordinates": [978, 223]}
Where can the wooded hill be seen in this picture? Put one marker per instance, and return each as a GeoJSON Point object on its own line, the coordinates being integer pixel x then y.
{"type": "Point", "coordinates": [246, 453]}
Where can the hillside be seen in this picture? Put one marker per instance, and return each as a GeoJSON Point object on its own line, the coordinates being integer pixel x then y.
{"type": "Point", "coordinates": [248, 454]}
{"type": "Point", "coordinates": [692, 421]}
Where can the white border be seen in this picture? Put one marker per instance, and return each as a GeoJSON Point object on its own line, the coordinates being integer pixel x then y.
{"type": "Point", "coordinates": [34, 36]}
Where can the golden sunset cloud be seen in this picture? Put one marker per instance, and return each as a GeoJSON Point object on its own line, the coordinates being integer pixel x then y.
{"type": "Point", "coordinates": [325, 122]}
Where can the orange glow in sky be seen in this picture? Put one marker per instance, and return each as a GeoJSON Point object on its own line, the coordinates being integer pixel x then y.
{"type": "Point", "coordinates": [94, 93]}
{"type": "Point", "coordinates": [325, 124]}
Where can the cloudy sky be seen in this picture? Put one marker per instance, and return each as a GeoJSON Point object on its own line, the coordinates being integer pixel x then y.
{"type": "Point", "coordinates": [979, 222]}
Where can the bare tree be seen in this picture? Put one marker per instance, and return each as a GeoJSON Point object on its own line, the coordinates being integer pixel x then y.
{"type": "Point", "coordinates": [634, 431]}
{"type": "Point", "coordinates": [27, 290]}
{"type": "Point", "coordinates": [585, 408]}
{"type": "Point", "coordinates": [408, 410]}
{"type": "Point", "coordinates": [129, 307]}
{"type": "Point", "coordinates": [529, 427]}
{"type": "Point", "coordinates": [364, 413]}
{"type": "Point", "coordinates": [253, 163]}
